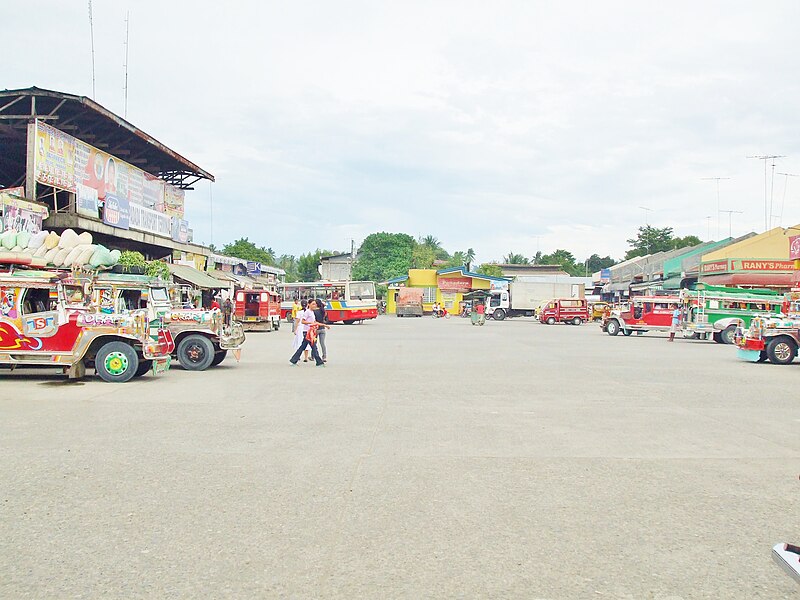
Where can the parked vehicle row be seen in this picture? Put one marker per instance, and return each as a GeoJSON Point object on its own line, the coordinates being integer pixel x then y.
{"type": "Point", "coordinates": [121, 325]}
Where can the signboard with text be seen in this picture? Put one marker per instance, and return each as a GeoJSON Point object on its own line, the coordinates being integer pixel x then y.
{"type": "Point", "coordinates": [149, 220]}
{"type": "Point", "coordinates": [117, 212]}
{"type": "Point", "coordinates": [454, 284]}
{"type": "Point", "coordinates": [19, 214]}
{"type": "Point", "coordinates": [794, 247]}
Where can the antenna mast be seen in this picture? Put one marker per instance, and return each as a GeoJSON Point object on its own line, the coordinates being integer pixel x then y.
{"type": "Point", "coordinates": [717, 179]}
{"type": "Point", "coordinates": [767, 199]}
{"type": "Point", "coordinates": [91, 36]}
{"type": "Point", "coordinates": [125, 89]}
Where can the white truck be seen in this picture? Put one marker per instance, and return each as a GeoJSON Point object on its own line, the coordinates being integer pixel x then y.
{"type": "Point", "coordinates": [524, 298]}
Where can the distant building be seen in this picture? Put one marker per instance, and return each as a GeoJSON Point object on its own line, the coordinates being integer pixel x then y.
{"type": "Point", "coordinates": [531, 270]}
{"type": "Point", "coordinates": [337, 267]}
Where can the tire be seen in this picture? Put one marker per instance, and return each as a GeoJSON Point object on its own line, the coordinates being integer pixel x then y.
{"type": "Point", "coordinates": [289, 318]}
{"type": "Point", "coordinates": [551, 320]}
{"type": "Point", "coordinates": [627, 332]}
{"type": "Point", "coordinates": [727, 334]}
{"type": "Point", "coordinates": [116, 362]}
{"type": "Point", "coordinates": [782, 350]}
{"type": "Point", "coordinates": [577, 321]}
{"type": "Point", "coordinates": [144, 367]}
{"type": "Point", "coordinates": [219, 357]}
{"type": "Point", "coordinates": [499, 314]}
{"type": "Point", "coordinates": [195, 352]}
{"type": "Point", "coordinates": [612, 328]}
{"type": "Point", "coordinates": [717, 337]}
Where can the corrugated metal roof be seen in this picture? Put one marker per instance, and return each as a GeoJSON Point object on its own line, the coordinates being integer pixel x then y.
{"type": "Point", "coordinates": [197, 278]}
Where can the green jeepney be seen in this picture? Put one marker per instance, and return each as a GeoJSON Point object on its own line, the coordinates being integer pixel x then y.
{"type": "Point", "coordinates": [718, 311]}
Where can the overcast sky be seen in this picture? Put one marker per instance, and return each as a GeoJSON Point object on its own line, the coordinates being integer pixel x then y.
{"type": "Point", "coordinates": [502, 126]}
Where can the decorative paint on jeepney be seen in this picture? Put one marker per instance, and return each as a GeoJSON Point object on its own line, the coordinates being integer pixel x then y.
{"type": "Point", "coordinates": [191, 316]}
{"type": "Point", "coordinates": [41, 324]}
{"type": "Point", "coordinates": [103, 320]}
{"type": "Point", "coordinates": [8, 302]}
{"type": "Point", "coordinates": [12, 339]}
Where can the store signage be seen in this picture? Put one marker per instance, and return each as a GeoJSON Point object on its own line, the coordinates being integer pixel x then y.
{"type": "Point", "coordinates": [86, 201]}
{"type": "Point", "coordinates": [762, 265]}
{"type": "Point", "coordinates": [180, 230]}
{"type": "Point", "coordinates": [794, 247]}
{"type": "Point", "coordinates": [454, 284]}
{"type": "Point", "coordinates": [117, 212]}
{"type": "Point", "coordinates": [253, 268]}
{"type": "Point", "coordinates": [717, 266]}
{"type": "Point", "coordinates": [149, 220]}
{"type": "Point", "coordinates": [605, 275]}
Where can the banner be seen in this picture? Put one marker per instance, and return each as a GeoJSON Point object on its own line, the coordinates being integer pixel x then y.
{"type": "Point", "coordinates": [180, 230]}
{"type": "Point", "coordinates": [149, 220]}
{"type": "Point", "coordinates": [67, 163]}
{"type": "Point", "coordinates": [117, 212]}
{"type": "Point", "coordinates": [86, 201]}
{"type": "Point", "coordinates": [19, 214]}
{"type": "Point", "coordinates": [794, 247]}
{"type": "Point", "coordinates": [454, 284]}
{"type": "Point", "coordinates": [54, 157]}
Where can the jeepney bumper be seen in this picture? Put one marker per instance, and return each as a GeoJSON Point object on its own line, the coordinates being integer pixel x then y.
{"type": "Point", "coordinates": [160, 348]}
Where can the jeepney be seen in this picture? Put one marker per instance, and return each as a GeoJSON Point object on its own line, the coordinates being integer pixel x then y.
{"type": "Point", "coordinates": [772, 338]}
{"type": "Point", "coordinates": [202, 337]}
{"type": "Point", "coordinates": [718, 311]}
{"type": "Point", "coordinates": [641, 314]}
{"type": "Point", "coordinates": [257, 310]}
{"type": "Point", "coordinates": [46, 320]}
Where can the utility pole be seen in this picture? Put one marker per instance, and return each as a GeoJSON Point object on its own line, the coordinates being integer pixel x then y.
{"type": "Point", "coordinates": [125, 65]}
{"type": "Point", "coordinates": [91, 36]}
{"type": "Point", "coordinates": [783, 200]}
{"type": "Point", "coordinates": [708, 221]}
{"type": "Point", "coordinates": [767, 197]}
{"type": "Point", "coordinates": [717, 179]}
{"type": "Point", "coordinates": [731, 212]}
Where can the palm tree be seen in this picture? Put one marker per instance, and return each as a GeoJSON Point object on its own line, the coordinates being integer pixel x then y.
{"type": "Point", "coordinates": [515, 259]}
{"type": "Point", "coordinates": [432, 242]}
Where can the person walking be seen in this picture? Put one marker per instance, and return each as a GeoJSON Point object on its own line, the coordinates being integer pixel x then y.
{"type": "Point", "coordinates": [308, 324]}
{"type": "Point", "coordinates": [297, 329]}
{"type": "Point", "coordinates": [322, 320]}
{"type": "Point", "coordinates": [676, 320]}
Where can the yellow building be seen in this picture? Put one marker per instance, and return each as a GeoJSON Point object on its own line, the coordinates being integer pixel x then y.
{"type": "Point", "coordinates": [446, 286]}
{"type": "Point", "coordinates": [758, 261]}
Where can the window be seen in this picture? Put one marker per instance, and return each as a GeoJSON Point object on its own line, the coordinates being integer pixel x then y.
{"type": "Point", "coordinates": [159, 294]}
{"type": "Point", "coordinates": [129, 300]}
{"type": "Point", "coordinates": [37, 300]}
{"type": "Point", "coordinates": [429, 295]}
{"type": "Point", "coordinates": [362, 290]}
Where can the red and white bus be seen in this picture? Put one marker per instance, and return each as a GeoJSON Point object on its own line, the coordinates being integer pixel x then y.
{"type": "Point", "coordinates": [345, 301]}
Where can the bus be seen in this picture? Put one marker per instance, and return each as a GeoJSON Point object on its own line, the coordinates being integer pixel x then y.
{"type": "Point", "coordinates": [345, 301]}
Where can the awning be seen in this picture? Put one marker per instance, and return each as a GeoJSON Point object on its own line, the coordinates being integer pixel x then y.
{"type": "Point", "coordinates": [197, 278]}
{"type": "Point", "coordinates": [757, 279]}
{"type": "Point", "coordinates": [618, 287]}
{"type": "Point", "coordinates": [646, 285]}
{"type": "Point", "coordinates": [672, 283]}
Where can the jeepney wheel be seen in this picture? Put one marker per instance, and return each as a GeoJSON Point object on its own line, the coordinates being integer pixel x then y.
{"type": "Point", "coordinates": [576, 321]}
{"type": "Point", "coordinates": [717, 337]}
{"type": "Point", "coordinates": [219, 357]}
{"type": "Point", "coordinates": [781, 351]}
{"type": "Point", "coordinates": [627, 332]}
{"type": "Point", "coordinates": [612, 328]}
{"type": "Point", "coordinates": [727, 334]}
{"type": "Point", "coordinates": [144, 367]}
{"type": "Point", "coordinates": [551, 320]}
{"type": "Point", "coordinates": [195, 352]}
{"type": "Point", "coordinates": [116, 362]}
{"type": "Point", "coordinates": [499, 314]}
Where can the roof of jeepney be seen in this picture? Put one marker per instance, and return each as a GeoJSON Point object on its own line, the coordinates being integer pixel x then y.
{"type": "Point", "coordinates": [123, 278]}
{"type": "Point", "coordinates": [27, 275]}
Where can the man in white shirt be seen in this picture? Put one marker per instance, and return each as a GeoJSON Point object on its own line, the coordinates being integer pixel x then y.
{"type": "Point", "coordinates": [308, 322]}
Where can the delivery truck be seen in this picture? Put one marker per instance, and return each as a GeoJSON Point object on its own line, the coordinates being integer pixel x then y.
{"type": "Point", "coordinates": [409, 302]}
{"type": "Point", "coordinates": [523, 298]}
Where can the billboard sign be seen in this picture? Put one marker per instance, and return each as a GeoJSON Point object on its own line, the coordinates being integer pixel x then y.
{"type": "Point", "coordinates": [149, 220]}
{"type": "Point", "coordinates": [454, 284]}
{"type": "Point", "coordinates": [794, 247]}
{"type": "Point", "coordinates": [19, 214]}
{"type": "Point", "coordinates": [86, 201]}
{"type": "Point", "coordinates": [180, 230]}
{"type": "Point", "coordinates": [117, 212]}
{"type": "Point", "coordinates": [605, 275]}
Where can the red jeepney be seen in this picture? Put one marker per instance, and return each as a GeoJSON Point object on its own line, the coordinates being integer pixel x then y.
{"type": "Point", "coordinates": [565, 310]}
{"type": "Point", "coordinates": [258, 310]}
{"type": "Point", "coordinates": [643, 313]}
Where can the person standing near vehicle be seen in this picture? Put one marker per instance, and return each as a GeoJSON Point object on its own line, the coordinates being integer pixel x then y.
{"type": "Point", "coordinates": [296, 308]}
{"type": "Point", "coordinates": [676, 320]}
{"type": "Point", "coordinates": [308, 325]}
{"type": "Point", "coordinates": [322, 320]}
{"type": "Point", "coordinates": [297, 329]}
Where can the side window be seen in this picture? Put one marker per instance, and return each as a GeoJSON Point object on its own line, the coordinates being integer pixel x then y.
{"type": "Point", "coordinates": [37, 300]}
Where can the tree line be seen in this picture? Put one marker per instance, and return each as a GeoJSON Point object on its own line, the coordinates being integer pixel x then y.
{"type": "Point", "coordinates": [383, 256]}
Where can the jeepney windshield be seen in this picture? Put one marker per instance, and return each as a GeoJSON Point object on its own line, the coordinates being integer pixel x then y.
{"type": "Point", "coordinates": [159, 294]}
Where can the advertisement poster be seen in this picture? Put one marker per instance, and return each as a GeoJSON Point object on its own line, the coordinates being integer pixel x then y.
{"type": "Point", "coordinates": [794, 247]}
{"type": "Point", "coordinates": [86, 201]}
{"type": "Point", "coordinates": [149, 220]}
{"type": "Point", "coordinates": [173, 201]}
{"type": "Point", "coordinates": [153, 192]}
{"type": "Point", "coordinates": [19, 214]}
{"type": "Point", "coordinates": [54, 157]}
{"type": "Point", "coordinates": [116, 212]}
{"type": "Point", "coordinates": [180, 230]}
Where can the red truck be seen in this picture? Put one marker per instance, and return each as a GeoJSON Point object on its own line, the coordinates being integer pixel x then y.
{"type": "Point", "coordinates": [565, 310]}
{"type": "Point", "coordinates": [643, 313]}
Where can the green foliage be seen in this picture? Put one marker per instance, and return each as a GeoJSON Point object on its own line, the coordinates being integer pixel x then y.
{"type": "Point", "coordinates": [246, 250]}
{"type": "Point", "coordinates": [422, 257]}
{"type": "Point", "coordinates": [131, 258]}
{"type": "Point", "coordinates": [288, 263]}
{"type": "Point", "coordinates": [515, 259]}
{"type": "Point", "coordinates": [383, 256]}
{"type": "Point", "coordinates": [157, 268]}
{"type": "Point", "coordinates": [308, 265]}
{"type": "Point", "coordinates": [564, 259]}
{"type": "Point", "coordinates": [653, 239]}
{"type": "Point", "coordinates": [595, 263]}
{"type": "Point", "coordinates": [490, 269]}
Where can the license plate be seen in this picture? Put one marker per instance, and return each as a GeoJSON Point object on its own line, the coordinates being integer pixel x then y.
{"type": "Point", "coordinates": [161, 365]}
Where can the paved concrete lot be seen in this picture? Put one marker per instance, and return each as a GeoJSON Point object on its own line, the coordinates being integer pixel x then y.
{"type": "Point", "coordinates": [429, 459]}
